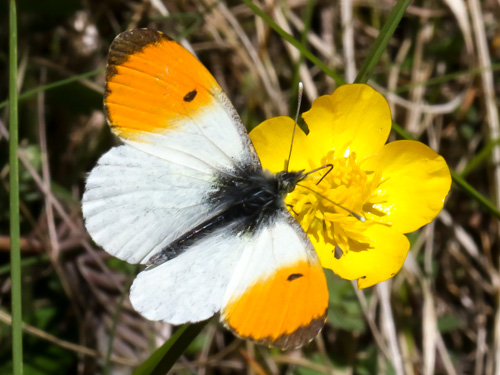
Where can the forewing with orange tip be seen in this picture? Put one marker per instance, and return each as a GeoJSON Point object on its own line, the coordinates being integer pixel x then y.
{"type": "Point", "coordinates": [179, 130]}
{"type": "Point", "coordinates": [162, 100]}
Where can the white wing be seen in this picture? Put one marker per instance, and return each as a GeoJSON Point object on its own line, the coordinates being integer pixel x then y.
{"type": "Point", "coordinates": [190, 287]}
{"type": "Point", "coordinates": [135, 203]}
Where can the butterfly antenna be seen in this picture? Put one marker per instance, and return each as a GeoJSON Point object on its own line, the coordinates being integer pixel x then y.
{"type": "Point", "coordinates": [329, 166]}
{"type": "Point", "coordinates": [299, 94]}
{"type": "Point", "coordinates": [357, 216]}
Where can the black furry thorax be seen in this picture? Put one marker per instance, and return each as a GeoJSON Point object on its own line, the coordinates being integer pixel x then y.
{"type": "Point", "coordinates": [253, 195]}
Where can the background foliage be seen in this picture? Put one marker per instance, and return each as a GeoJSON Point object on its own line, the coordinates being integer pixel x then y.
{"type": "Point", "coordinates": [440, 314]}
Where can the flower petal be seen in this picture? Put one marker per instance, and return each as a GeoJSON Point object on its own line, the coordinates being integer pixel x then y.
{"type": "Point", "coordinates": [355, 117]}
{"type": "Point", "coordinates": [415, 181]}
{"type": "Point", "coordinates": [383, 258]}
{"type": "Point", "coordinates": [272, 140]}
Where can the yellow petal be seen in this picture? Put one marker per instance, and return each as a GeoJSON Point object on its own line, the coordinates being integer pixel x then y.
{"type": "Point", "coordinates": [272, 140]}
{"type": "Point", "coordinates": [355, 117]}
{"type": "Point", "coordinates": [383, 258]}
{"type": "Point", "coordinates": [415, 181]}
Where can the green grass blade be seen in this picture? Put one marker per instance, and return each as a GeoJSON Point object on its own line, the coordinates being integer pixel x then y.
{"type": "Point", "coordinates": [53, 85]}
{"type": "Point", "coordinates": [403, 133]}
{"type": "Point", "coordinates": [294, 42]}
{"type": "Point", "coordinates": [162, 360]}
{"type": "Point", "coordinates": [480, 158]}
{"type": "Point", "coordinates": [381, 42]}
{"type": "Point", "coordinates": [15, 244]}
{"type": "Point", "coordinates": [459, 181]}
{"type": "Point", "coordinates": [26, 262]}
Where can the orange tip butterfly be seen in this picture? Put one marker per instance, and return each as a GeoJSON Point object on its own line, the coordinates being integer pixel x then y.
{"type": "Point", "coordinates": [187, 197]}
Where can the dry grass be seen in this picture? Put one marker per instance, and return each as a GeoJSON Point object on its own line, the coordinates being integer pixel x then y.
{"type": "Point", "coordinates": [439, 315]}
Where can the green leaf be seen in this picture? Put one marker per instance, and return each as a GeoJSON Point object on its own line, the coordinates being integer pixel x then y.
{"type": "Point", "coordinates": [344, 310]}
{"type": "Point", "coordinates": [450, 323]}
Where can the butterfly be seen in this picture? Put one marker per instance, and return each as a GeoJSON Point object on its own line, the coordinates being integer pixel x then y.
{"type": "Point", "coordinates": [186, 196]}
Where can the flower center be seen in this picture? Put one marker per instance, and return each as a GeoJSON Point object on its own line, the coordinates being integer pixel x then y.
{"type": "Point", "coordinates": [316, 202]}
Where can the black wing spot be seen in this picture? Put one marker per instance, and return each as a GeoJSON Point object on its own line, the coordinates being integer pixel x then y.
{"type": "Point", "coordinates": [294, 276]}
{"type": "Point", "coordinates": [189, 97]}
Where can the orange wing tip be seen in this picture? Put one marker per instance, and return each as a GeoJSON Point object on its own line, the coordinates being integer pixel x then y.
{"type": "Point", "coordinates": [153, 84]}
{"type": "Point", "coordinates": [287, 341]}
{"type": "Point", "coordinates": [128, 43]}
{"type": "Point", "coordinates": [123, 47]}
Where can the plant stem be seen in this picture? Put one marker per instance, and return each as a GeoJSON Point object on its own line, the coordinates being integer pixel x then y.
{"type": "Point", "coordinates": [15, 248]}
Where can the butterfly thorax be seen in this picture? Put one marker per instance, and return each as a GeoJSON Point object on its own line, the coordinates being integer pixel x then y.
{"type": "Point", "coordinates": [253, 193]}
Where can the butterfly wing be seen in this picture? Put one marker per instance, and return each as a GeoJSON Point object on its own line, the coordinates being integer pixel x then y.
{"type": "Point", "coordinates": [135, 203]}
{"type": "Point", "coordinates": [190, 287]}
{"type": "Point", "coordinates": [268, 283]}
{"type": "Point", "coordinates": [180, 132]}
{"type": "Point", "coordinates": [162, 100]}
{"type": "Point", "coordinates": [277, 295]}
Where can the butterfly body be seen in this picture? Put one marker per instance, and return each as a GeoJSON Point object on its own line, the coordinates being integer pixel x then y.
{"type": "Point", "coordinates": [186, 196]}
{"type": "Point", "coordinates": [247, 198]}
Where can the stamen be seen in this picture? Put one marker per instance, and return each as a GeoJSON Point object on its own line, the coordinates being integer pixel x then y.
{"type": "Point", "coordinates": [359, 217]}
{"type": "Point", "coordinates": [332, 205]}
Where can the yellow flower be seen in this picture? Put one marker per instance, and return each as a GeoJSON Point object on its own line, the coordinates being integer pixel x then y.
{"type": "Point", "coordinates": [397, 187]}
